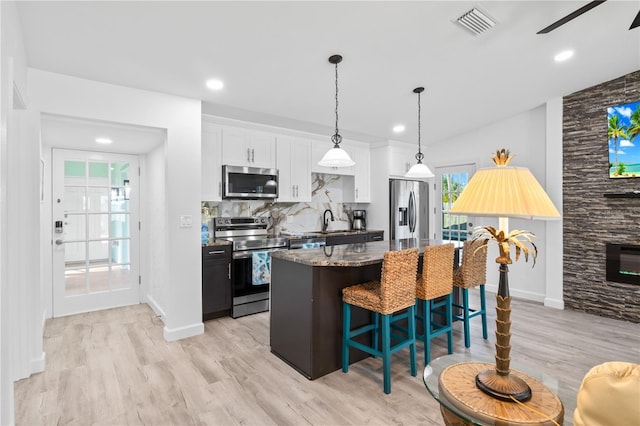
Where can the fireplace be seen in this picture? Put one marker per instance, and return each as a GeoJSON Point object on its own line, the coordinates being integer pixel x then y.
{"type": "Point", "coordinates": [623, 263]}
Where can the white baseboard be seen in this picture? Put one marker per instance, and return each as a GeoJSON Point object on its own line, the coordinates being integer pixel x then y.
{"type": "Point", "coordinates": [516, 293]}
{"type": "Point", "coordinates": [38, 364]}
{"type": "Point", "coordinates": [155, 307]}
{"type": "Point", "coordinates": [554, 303]}
{"type": "Point", "coordinates": [172, 334]}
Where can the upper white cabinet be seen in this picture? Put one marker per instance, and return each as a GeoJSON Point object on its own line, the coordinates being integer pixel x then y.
{"type": "Point", "coordinates": [362, 179]}
{"type": "Point", "coordinates": [243, 147]}
{"type": "Point", "coordinates": [401, 159]}
{"type": "Point", "coordinates": [211, 158]}
{"type": "Point", "coordinates": [293, 159]}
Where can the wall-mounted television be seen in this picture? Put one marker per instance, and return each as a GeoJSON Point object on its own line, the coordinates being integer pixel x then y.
{"type": "Point", "coordinates": [624, 140]}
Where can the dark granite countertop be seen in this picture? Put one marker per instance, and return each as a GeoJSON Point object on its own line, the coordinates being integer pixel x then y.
{"type": "Point", "coordinates": [217, 243]}
{"type": "Point", "coordinates": [315, 234]}
{"type": "Point", "coordinates": [360, 254]}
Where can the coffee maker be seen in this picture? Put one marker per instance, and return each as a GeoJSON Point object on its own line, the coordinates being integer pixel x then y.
{"type": "Point", "coordinates": [359, 220]}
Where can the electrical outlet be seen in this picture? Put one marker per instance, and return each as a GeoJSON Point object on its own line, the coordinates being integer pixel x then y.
{"type": "Point", "coordinates": [186, 221]}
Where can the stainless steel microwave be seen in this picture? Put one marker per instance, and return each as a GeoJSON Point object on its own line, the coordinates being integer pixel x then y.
{"type": "Point", "coordinates": [249, 183]}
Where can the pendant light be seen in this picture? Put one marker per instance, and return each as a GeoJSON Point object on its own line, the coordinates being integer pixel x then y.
{"type": "Point", "coordinates": [336, 156]}
{"type": "Point", "coordinates": [419, 170]}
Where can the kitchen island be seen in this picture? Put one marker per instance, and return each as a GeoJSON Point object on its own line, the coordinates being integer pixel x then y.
{"type": "Point", "coordinates": [306, 301]}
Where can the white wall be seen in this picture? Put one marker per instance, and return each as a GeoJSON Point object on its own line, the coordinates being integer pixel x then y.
{"type": "Point", "coordinates": [525, 135]}
{"type": "Point", "coordinates": [69, 96]}
{"type": "Point", "coordinates": [21, 312]}
{"type": "Point", "coordinates": [155, 201]}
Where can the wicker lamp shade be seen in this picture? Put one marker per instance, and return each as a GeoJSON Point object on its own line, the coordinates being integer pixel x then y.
{"type": "Point", "coordinates": [505, 192]}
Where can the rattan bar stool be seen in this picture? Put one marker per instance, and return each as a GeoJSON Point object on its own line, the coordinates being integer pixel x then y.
{"type": "Point", "coordinates": [434, 289]}
{"type": "Point", "coordinates": [472, 273]}
{"type": "Point", "coordinates": [395, 292]}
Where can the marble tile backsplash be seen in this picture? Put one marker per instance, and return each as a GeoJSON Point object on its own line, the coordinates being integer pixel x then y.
{"type": "Point", "coordinates": [327, 193]}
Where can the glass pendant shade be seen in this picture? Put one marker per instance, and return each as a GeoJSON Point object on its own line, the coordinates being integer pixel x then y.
{"type": "Point", "coordinates": [419, 170]}
{"type": "Point", "coordinates": [336, 157]}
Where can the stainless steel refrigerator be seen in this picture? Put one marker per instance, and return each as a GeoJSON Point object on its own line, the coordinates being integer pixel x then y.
{"type": "Point", "coordinates": [409, 208]}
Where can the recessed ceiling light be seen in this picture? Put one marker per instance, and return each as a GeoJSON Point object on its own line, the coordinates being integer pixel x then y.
{"type": "Point", "coordinates": [399, 128]}
{"type": "Point", "coordinates": [563, 56]}
{"type": "Point", "coordinates": [215, 84]}
{"type": "Point", "coordinates": [104, 141]}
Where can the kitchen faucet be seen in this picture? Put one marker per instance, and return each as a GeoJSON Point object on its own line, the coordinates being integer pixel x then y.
{"type": "Point", "coordinates": [325, 222]}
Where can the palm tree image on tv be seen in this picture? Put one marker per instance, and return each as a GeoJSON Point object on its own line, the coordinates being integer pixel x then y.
{"type": "Point", "coordinates": [624, 143]}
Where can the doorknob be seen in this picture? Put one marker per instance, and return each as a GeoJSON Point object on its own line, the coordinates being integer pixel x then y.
{"type": "Point", "coordinates": [59, 242]}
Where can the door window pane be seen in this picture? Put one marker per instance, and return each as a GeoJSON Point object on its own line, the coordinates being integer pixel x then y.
{"type": "Point", "coordinates": [99, 279]}
{"type": "Point", "coordinates": [98, 226]}
{"type": "Point", "coordinates": [75, 281]}
{"type": "Point", "coordinates": [98, 173]}
{"type": "Point", "coordinates": [75, 227]}
{"type": "Point", "coordinates": [120, 276]}
{"type": "Point", "coordinates": [120, 251]}
{"type": "Point", "coordinates": [98, 199]}
{"type": "Point", "coordinates": [119, 225]}
{"type": "Point", "coordinates": [75, 253]}
{"type": "Point", "coordinates": [98, 253]}
{"type": "Point", "coordinates": [74, 199]}
{"type": "Point", "coordinates": [74, 172]}
{"type": "Point", "coordinates": [119, 173]}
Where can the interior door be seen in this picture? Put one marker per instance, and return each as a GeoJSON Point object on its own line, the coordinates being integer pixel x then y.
{"type": "Point", "coordinates": [450, 181]}
{"type": "Point", "coordinates": [95, 231]}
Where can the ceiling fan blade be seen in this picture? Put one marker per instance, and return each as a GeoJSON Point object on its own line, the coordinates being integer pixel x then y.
{"type": "Point", "coordinates": [636, 22]}
{"type": "Point", "coordinates": [587, 7]}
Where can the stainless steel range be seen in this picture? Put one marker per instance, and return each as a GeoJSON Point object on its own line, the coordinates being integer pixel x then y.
{"type": "Point", "coordinates": [251, 267]}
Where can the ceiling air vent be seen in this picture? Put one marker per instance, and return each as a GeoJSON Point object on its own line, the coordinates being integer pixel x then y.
{"type": "Point", "coordinates": [476, 21]}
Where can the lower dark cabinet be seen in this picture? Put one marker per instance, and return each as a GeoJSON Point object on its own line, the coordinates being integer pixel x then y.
{"type": "Point", "coordinates": [216, 281]}
{"type": "Point", "coordinates": [335, 240]}
{"type": "Point", "coordinates": [375, 236]}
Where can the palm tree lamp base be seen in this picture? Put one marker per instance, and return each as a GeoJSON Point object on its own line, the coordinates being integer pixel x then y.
{"type": "Point", "coordinates": [503, 387]}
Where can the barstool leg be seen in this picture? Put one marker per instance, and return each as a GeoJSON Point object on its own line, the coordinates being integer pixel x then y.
{"type": "Point", "coordinates": [386, 352]}
{"type": "Point", "coordinates": [483, 306]}
{"type": "Point", "coordinates": [376, 332]}
{"type": "Point", "coordinates": [448, 311]}
{"type": "Point", "coordinates": [427, 330]}
{"type": "Point", "coordinates": [412, 336]}
{"type": "Point", "coordinates": [465, 303]}
{"type": "Point", "coordinates": [346, 331]}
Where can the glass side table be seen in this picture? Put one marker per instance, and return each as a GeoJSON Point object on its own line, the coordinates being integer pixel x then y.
{"type": "Point", "coordinates": [451, 381]}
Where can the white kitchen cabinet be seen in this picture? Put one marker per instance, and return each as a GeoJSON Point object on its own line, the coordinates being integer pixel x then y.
{"type": "Point", "coordinates": [362, 179]}
{"type": "Point", "coordinates": [401, 159]}
{"type": "Point", "coordinates": [293, 159]}
{"type": "Point", "coordinates": [318, 150]}
{"type": "Point", "coordinates": [211, 158]}
{"type": "Point", "coordinates": [244, 147]}
{"type": "Point", "coordinates": [361, 192]}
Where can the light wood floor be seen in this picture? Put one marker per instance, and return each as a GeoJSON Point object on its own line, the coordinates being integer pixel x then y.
{"type": "Point", "coordinates": [114, 368]}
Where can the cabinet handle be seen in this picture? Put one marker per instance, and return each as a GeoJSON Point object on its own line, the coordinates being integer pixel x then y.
{"type": "Point", "coordinates": [217, 252]}
{"type": "Point", "coordinates": [248, 155]}
{"type": "Point", "coordinates": [356, 193]}
{"type": "Point", "coordinates": [293, 190]}
{"type": "Point", "coordinates": [220, 188]}
{"type": "Point", "coordinates": [229, 275]}
{"type": "Point", "coordinates": [252, 155]}
{"type": "Point", "coordinates": [296, 191]}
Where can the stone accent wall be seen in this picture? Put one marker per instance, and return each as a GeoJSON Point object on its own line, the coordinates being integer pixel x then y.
{"type": "Point", "coordinates": [589, 219]}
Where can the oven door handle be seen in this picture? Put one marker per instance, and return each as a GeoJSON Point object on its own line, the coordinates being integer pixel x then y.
{"type": "Point", "coordinates": [249, 253]}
